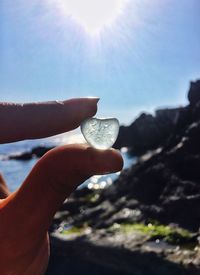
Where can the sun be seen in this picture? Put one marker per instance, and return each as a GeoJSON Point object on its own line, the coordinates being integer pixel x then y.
{"type": "Point", "coordinates": [92, 15]}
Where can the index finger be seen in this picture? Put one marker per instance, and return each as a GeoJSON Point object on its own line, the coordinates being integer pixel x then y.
{"type": "Point", "coordinates": [43, 119]}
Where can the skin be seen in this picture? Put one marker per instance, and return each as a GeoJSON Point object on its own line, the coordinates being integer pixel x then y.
{"type": "Point", "coordinates": [26, 214]}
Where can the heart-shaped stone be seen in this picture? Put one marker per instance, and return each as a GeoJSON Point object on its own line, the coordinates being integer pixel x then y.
{"type": "Point", "coordinates": [100, 133]}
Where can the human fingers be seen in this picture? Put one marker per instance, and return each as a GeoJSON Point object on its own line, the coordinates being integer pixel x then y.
{"type": "Point", "coordinates": [39, 120]}
{"type": "Point", "coordinates": [4, 192]}
{"type": "Point", "coordinates": [51, 181]}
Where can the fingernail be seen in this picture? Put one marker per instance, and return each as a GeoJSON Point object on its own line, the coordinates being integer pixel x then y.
{"type": "Point", "coordinates": [95, 99]}
{"type": "Point", "coordinates": [91, 106]}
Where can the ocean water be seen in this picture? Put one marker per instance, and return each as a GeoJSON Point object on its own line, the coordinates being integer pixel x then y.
{"type": "Point", "coordinates": [15, 171]}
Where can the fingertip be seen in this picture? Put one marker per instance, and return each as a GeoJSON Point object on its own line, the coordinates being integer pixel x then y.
{"type": "Point", "coordinates": [105, 161]}
{"type": "Point", "coordinates": [79, 109]}
{"type": "Point", "coordinates": [114, 160]}
{"type": "Point", "coordinates": [119, 162]}
{"type": "Point", "coordinates": [86, 107]}
{"type": "Point", "coordinates": [91, 106]}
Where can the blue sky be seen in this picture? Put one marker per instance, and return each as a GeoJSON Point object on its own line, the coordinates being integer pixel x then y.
{"type": "Point", "coordinates": [144, 60]}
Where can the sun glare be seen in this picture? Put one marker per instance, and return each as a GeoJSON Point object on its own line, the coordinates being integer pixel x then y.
{"type": "Point", "coordinates": [92, 15]}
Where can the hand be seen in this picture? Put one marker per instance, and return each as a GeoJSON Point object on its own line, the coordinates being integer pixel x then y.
{"type": "Point", "coordinates": [26, 214]}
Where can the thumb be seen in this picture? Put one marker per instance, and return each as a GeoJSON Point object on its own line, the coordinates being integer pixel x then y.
{"type": "Point", "coordinates": [53, 179]}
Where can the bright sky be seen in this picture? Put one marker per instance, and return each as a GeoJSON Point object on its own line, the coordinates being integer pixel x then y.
{"type": "Point", "coordinates": [134, 54]}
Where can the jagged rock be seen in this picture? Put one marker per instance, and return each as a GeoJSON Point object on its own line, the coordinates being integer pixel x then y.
{"type": "Point", "coordinates": [163, 186]}
{"type": "Point", "coordinates": [194, 94]}
{"type": "Point", "coordinates": [158, 186]}
{"type": "Point", "coordinates": [147, 132]}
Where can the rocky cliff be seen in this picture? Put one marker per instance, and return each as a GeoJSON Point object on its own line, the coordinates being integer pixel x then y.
{"type": "Point", "coordinates": [148, 221]}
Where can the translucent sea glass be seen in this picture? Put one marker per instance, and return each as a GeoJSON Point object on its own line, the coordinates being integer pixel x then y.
{"type": "Point", "coordinates": [100, 133]}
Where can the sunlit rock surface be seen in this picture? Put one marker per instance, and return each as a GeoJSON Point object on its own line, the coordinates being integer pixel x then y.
{"type": "Point", "coordinates": [100, 133]}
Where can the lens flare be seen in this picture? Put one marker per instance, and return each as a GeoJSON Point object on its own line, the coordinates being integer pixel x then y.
{"type": "Point", "coordinates": [92, 15]}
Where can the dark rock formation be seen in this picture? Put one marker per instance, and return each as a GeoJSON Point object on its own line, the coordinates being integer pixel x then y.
{"type": "Point", "coordinates": [110, 256]}
{"type": "Point", "coordinates": [167, 185]}
{"type": "Point", "coordinates": [163, 186]}
{"type": "Point", "coordinates": [194, 95]}
{"type": "Point", "coordinates": [147, 132]}
{"type": "Point", "coordinates": [36, 152]}
{"type": "Point", "coordinates": [20, 156]}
